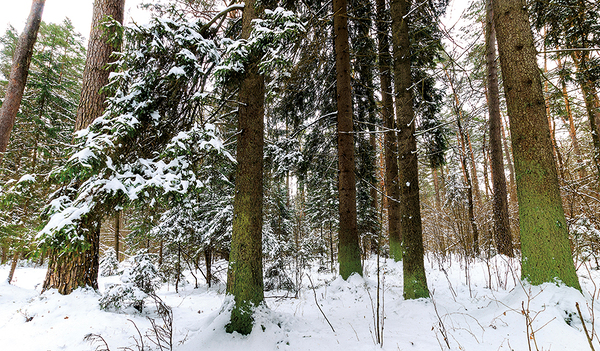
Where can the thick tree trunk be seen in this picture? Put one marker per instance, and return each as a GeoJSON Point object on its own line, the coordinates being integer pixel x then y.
{"type": "Point", "coordinates": [390, 143]}
{"type": "Point", "coordinates": [546, 254]}
{"type": "Point", "coordinates": [245, 277]}
{"type": "Point", "coordinates": [77, 269]}
{"type": "Point", "coordinates": [95, 73]}
{"type": "Point", "coordinates": [415, 282]}
{"type": "Point", "coordinates": [502, 234]}
{"type": "Point", "coordinates": [348, 247]}
{"type": "Point", "coordinates": [18, 73]}
{"type": "Point", "coordinates": [72, 270]}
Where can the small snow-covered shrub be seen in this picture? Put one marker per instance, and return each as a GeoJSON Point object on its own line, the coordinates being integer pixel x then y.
{"type": "Point", "coordinates": [109, 264]}
{"type": "Point", "coordinates": [139, 281]}
{"type": "Point", "coordinates": [277, 277]}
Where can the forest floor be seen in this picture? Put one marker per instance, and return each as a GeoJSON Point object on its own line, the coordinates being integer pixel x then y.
{"type": "Point", "coordinates": [479, 305]}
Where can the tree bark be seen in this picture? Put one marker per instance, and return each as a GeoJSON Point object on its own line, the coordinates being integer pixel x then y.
{"type": "Point", "coordinates": [502, 234]}
{"type": "Point", "coordinates": [18, 73]}
{"type": "Point", "coordinates": [348, 246]}
{"type": "Point", "coordinates": [245, 277]}
{"type": "Point", "coordinates": [117, 232]}
{"type": "Point", "coordinates": [13, 267]}
{"type": "Point", "coordinates": [546, 254]}
{"type": "Point", "coordinates": [592, 104]}
{"type": "Point", "coordinates": [512, 185]}
{"type": "Point", "coordinates": [415, 282]}
{"type": "Point", "coordinates": [569, 120]}
{"type": "Point", "coordinates": [71, 270]}
{"type": "Point", "coordinates": [390, 143]}
{"type": "Point", "coordinates": [96, 72]}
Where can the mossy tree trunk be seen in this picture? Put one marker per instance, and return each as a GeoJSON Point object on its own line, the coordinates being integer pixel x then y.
{"type": "Point", "coordinates": [68, 271]}
{"type": "Point", "coordinates": [245, 276]}
{"type": "Point", "coordinates": [348, 246]}
{"type": "Point", "coordinates": [546, 254]}
{"type": "Point", "coordinates": [502, 235]}
{"type": "Point", "coordinates": [415, 282]}
{"type": "Point", "coordinates": [18, 73]}
{"type": "Point", "coordinates": [390, 143]}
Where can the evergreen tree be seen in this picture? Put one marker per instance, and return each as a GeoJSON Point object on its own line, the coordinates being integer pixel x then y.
{"type": "Point", "coordinates": [43, 127]}
{"type": "Point", "coordinates": [349, 250]}
{"type": "Point", "coordinates": [544, 233]}
{"type": "Point", "coordinates": [68, 272]}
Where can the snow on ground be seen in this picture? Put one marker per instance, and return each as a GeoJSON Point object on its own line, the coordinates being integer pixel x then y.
{"type": "Point", "coordinates": [463, 314]}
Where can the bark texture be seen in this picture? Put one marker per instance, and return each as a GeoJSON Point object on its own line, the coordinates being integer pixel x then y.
{"type": "Point", "coordinates": [73, 269]}
{"type": "Point", "coordinates": [245, 277]}
{"type": "Point", "coordinates": [546, 254]}
{"type": "Point", "coordinates": [18, 73]}
{"type": "Point", "coordinates": [348, 247]}
{"type": "Point", "coordinates": [390, 142]}
{"type": "Point", "coordinates": [415, 282]}
{"type": "Point", "coordinates": [502, 235]}
{"type": "Point", "coordinates": [96, 72]}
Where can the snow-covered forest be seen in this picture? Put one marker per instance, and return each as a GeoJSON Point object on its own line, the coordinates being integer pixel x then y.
{"type": "Point", "coordinates": [302, 175]}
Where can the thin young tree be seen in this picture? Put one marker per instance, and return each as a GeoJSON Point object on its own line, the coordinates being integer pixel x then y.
{"type": "Point", "coordinates": [349, 249]}
{"type": "Point", "coordinates": [245, 277]}
{"type": "Point", "coordinates": [18, 73]}
{"type": "Point", "coordinates": [502, 234]}
{"type": "Point", "coordinates": [390, 143]}
{"type": "Point", "coordinates": [71, 270]}
{"type": "Point", "coordinates": [546, 254]}
{"type": "Point", "coordinates": [415, 282]}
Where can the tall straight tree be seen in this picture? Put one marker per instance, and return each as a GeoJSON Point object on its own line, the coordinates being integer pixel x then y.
{"type": "Point", "coordinates": [18, 73]}
{"type": "Point", "coordinates": [348, 247]}
{"type": "Point", "coordinates": [415, 282]}
{"type": "Point", "coordinates": [77, 269]}
{"type": "Point", "coordinates": [544, 235]}
{"type": "Point", "coordinates": [390, 143]}
{"type": "Point", "coordinates": [502, 235]}
{"type": "Point", "coordinates": [245, 277]}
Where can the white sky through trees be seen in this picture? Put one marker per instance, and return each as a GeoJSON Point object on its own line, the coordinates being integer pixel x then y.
{"type": "Point", "coordinates": [15, 12]}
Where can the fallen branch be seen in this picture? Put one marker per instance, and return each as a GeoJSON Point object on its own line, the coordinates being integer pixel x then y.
{"type": "Point", "coordinates": [317, 302]}
{"type": "Point", "coordinates": [584, 327]}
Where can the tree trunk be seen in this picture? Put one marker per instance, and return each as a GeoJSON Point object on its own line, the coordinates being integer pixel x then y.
{"type": "Point", "coordinates": [592, 105]}
{"type": "Point", "coordinates": [546, 254]}
{"type": "Point", "coordinates": [462, 137]}
{"type": "Point", "coordinates": [390, 143]}
{"type": "Point", "coordinates": [502, 234]}
{"type": "Point", "coordinates": [470, 206]}
{"type": "Point", "coordinates": [415, 282]}
{"type": "Point", "coordinates": [71, 270]}
{"type": "Point", "coordinates": [348, 246]}
{"type": "Point", "coordinates": [117, 232]}
{"type": "Point", "coordinates": [13, 267]}
{"type": "Point", "coordinates": [18, 73]}
{"type": "Point", "coordinates": [77, 269]}
{"type": "Point", "coordinates": [208, 262]}
{"type": "Point", "coordinates": [512, 185]}
{"type": "Point", "coordinates": [572, 131]}
{"type": "Point", "coordinates": [95, 73]}
{"type": "Point", "coordinates": [245, 277]}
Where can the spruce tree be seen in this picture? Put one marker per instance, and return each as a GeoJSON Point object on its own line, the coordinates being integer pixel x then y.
{"type": "Point", "coordinates": [546, 254]}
